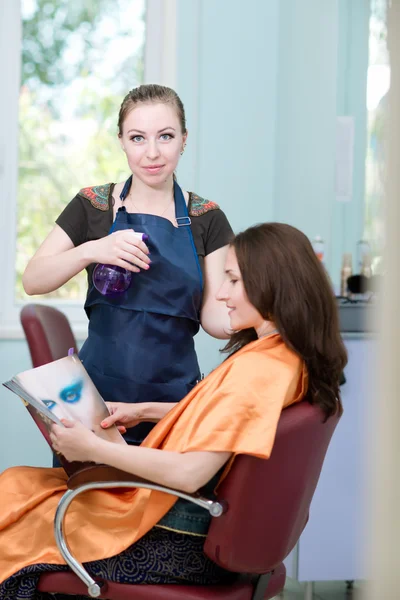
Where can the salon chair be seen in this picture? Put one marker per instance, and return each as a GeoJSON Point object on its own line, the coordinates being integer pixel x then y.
{"type": "Point", "coordinates": [48, 333]}
{"type": "Point", "coordinates": [259, 514]}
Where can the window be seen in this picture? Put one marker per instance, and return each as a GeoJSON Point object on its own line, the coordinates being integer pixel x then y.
{"type": "Point", "coordinates": [78, 60]}
{"type": "Point", "coordinates": [378, 84]}
{"type": "Point", "coordinates": [58, 118]}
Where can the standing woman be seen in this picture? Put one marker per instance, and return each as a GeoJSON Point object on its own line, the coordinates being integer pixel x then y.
{"type": "Point", "coordinates": [140, 346]}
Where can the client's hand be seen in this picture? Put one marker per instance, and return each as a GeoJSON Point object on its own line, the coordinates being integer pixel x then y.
{"type": "Point", "coordinates": [124, 415]}
{"type": "Point", "coordinates": [74, 441]}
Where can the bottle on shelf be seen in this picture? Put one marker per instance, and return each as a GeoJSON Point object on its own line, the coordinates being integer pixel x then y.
{"type": "Point", "coordinates": [345, 273]}
{"type": "Point", "coordinates": [363, 249]}
{"type": "Point", "coordinates": [366, 266]}
{"type": "Point", "coordinates": [319, 247]}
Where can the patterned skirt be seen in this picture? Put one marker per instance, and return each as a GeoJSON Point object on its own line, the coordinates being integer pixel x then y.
{"type": "Point", "coordinates": [161, 556]}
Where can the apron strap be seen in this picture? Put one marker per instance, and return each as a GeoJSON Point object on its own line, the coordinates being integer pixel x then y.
{"type": "Point", "coordinates": [123, 195]}
{"type": "Point", "coordinates": [181, 212]}
{"type": "Point", "coordinates": [181, 216]}
{"type": "Point", "coordinates": [126, 188]}
{"type": "Point", "coordinates": [182, 219]}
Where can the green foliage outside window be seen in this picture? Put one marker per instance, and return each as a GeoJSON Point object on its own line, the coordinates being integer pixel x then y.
{"type": "Point", "coordinates": [78, 61]}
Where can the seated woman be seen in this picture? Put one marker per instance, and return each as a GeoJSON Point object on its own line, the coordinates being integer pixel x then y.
{"type": "Point", "coordinates": [285, 347]}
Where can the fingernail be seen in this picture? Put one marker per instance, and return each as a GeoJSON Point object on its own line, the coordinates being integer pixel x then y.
{"type": "Point", "coordinates": [104, 424]}
{"type": "Point", "coordinates": [147, 267]}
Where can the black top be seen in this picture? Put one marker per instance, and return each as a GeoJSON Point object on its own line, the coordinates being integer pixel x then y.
{"type": "Point", "coordinates": [85, 219]}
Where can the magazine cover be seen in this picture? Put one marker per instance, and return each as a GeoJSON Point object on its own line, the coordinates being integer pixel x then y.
{"type": "Point", "coordinates": [63, 390]}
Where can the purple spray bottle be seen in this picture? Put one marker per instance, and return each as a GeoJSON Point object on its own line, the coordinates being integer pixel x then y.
{"type": "Point", "coordinates": [111, 279]}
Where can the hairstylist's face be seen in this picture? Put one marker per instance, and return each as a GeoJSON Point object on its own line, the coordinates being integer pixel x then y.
{"type": "Point", "coordinates": [152, 140]}
{"type": "Point", "coordinates": [242, 314]}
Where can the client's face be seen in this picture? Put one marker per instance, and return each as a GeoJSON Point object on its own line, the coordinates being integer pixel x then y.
{"type": "Point", "coordinates": [242, 314]}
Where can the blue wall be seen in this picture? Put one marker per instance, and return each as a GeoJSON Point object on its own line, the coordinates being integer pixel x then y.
{"type": "Point", "coordinates": [262, 89]}
{"type": "Point", "coordinates": [263, 84]}
{"type": "Point", "coordinates": [348, 219]}
{"type": "Point", "coordinates": [227, 77]}
{"type": "Point", "coordinates": [306, 117]}
{"type": "Point", "coordinates": [20, 440]}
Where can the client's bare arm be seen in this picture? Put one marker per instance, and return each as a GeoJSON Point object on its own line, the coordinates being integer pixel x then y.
{"type": "Point", "coordinates": [128, 415]}
{"type": "Point", "coordinates": [183, 471]}
{"type": "Point", "coordinates": [187, 472]}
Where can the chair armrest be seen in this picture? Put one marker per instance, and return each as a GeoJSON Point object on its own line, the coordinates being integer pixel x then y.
{"type": "Point", "coordinates": [91, 476]}
{"type": "Point", "coordinates": [97, 475]}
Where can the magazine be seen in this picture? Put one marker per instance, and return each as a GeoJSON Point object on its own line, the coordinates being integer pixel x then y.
{"type": "Point", "coordinates": [63, 390]}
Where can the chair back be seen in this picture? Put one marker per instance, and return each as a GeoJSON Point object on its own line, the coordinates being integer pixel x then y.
{"type": "Point", "coordinates": [268, 501]}
{"type": "Point", "coordinates": [47, 332]}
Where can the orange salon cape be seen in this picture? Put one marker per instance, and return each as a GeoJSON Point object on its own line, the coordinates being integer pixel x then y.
{"type": "Point", "coordinates": [235, 409]}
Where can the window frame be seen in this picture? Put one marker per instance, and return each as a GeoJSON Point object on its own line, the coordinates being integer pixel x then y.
{"type": "Point", "coordinates": [371, 180]}
{"type": "Point", "coordinates": [159, 66]}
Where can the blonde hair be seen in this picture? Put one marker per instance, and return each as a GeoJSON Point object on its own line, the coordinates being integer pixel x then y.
{"type": "Point", "coordinates": [151, 93]}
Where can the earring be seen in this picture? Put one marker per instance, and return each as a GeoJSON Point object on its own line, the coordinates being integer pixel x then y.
{"type": "Point", "coordinates": [183, 149]}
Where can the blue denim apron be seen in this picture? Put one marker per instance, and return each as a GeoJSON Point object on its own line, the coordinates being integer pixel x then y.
{"type": "Point", "coordinates": [140, 346]}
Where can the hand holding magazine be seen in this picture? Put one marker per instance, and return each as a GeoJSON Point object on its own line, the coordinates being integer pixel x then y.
{"type": "Point", "coordinates": [63, 390]}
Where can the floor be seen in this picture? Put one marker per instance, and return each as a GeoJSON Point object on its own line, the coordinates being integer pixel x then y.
{"type": "Point", "coordinates": [323, 590]}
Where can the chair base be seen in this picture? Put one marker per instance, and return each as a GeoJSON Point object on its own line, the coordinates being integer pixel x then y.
{"type": "Point", "coordinates": [68, 583]}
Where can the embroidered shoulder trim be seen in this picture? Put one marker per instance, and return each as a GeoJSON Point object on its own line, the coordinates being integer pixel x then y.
{"type": "Point", "coordinates": [200, 206]}
{"type": "Point", "coordinates": [98, 195]}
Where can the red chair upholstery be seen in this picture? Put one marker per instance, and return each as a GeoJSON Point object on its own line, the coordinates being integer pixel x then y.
{"type": "Point", "coordinates": [267, 509]}
{"type": "Point", "coordinates": [67, 583]}
{"type": "Point", "coordinates": [47, 332]}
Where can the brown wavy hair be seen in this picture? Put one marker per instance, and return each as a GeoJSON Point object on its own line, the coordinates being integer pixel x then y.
{"type": "Point", "coordinates": [287, 284]}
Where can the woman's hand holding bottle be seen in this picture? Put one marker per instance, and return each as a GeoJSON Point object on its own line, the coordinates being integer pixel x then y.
{"type": "Point", "coordinates": [123, 249]}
